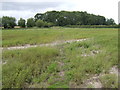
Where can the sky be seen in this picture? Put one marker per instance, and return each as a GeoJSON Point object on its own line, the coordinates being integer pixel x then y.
{"type": "Point", "coordinates": [28, 8]}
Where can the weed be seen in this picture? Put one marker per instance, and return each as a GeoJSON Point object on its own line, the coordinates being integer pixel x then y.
{"type": "Point", "coordinates": [109, 81]}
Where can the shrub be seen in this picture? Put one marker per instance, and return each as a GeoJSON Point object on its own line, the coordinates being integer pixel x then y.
{"type": "Point", "coordinates": [40, 23]}
{"type": "Point", "coordinates": [109, 80]}
{"type": "Point", "coordinates": [30, 22]}
{"type": "Point", "coordinates": [21, 22]}
{"type": "Point", "coordinates": [8, 22]}
{"type": "Point", "coordinates": [48, 24]}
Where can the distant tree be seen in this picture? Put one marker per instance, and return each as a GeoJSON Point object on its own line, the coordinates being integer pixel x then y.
{"type": "Point", "coordinates": [46, 24]}
{"type": "Point", "coordinates": [110, 21]}
{"type": "Point", "coordinates": [0, 22]}
{"type": "Point", "coordinates": [30, 22]}
{"type": "Point", "coordinates": [38, 16]}
{"type": "Point", "coordinates": [8, 22]}
{"type": "Point", "coordinates": [40, 23]}
{"type": "Point", "coordinates": [21, 22]}
{"type": "Point", "coordinates": [62, 18]}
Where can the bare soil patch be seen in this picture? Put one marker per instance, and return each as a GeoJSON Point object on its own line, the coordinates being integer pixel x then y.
{"type": "Point", "coordinates": [95, 81]}
{"type": "Point", "coordinates": [48, 44]}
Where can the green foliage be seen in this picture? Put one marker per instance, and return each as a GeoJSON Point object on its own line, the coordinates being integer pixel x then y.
{"type": "Point", "coordinates": [47, 35]}
{"type": "Point", "coordinates": [90, 86]}
{"type": "Point", "coordinates": [8, 22]}
{"type": "Point", "coordinates": [59, 85]}
{"type": "Point", "coordinates": [48, 24]}
{"type": "Point", "coordinates": [109, 81]}
{"type": "Point", "coordinates": [40, 23]}
{"type": "Point", "coordinates": [30, 22]}
{"type": "Point", "coordinates": [0, 22]}
{"type": "Point", "coordinates": [52, 67]}
{"type": "Point", "coordinates": [110, 21]}
{"type": "Point", "coordinates": [26, 65]}
{"type": "Point", "coordinates": [80, 67]}
{"type": "Point", "coordinates": [62, 18]}
{"type": "Point", "coordinates": [93, 26]}
{"type": "Point", "coordinates": [21, 22]}
{"type": "Point", "coordinates": [39, 67]}
{"type": "Point", "coordinates": [62, 21]}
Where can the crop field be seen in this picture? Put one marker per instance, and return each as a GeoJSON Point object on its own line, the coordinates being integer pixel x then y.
{"type": "Point", "coordinates": [89, 63]}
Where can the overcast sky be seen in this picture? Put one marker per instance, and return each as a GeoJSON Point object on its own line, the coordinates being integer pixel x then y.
{"type": "Point", "coordinates": [28, 8]}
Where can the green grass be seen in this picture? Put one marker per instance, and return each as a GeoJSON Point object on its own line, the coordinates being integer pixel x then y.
{"type": "Point", "coordinates": [109, 81]}
{"type": "Point", "coordinates": [39, 68]}
{"type": "Point", "coordinates": [79, 68]}
{"type": "Point", "coordinates": [23, 66]}
{"type": "Point", "coordinates": [38, 36]}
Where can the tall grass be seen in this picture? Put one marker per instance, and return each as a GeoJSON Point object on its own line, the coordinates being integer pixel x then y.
{"type": "Point", "coordinates": [23, 65]}
{"type": "Point", "coordinates": [38, 67]}
{"type": "Point", "coordinates": [80, 67]}
{"type": "Point", "coordinates": [38, 36]}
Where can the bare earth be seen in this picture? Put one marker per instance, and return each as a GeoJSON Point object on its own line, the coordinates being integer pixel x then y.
{"type": "Point", "coordinates": [48, 44]}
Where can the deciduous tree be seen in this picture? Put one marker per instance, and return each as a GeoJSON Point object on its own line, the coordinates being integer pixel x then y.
{"type": "Point", "coordinates": [30, 22]}
{"type": "Point", "coordinates": [21, 22]}
{"type": "Point", "coordinates": [8, 22]}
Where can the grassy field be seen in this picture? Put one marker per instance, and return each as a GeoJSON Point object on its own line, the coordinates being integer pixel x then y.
{"type": "Point", "coordinates": [62, 66]}
{"type": "Point", "coordinates": [18, 37]}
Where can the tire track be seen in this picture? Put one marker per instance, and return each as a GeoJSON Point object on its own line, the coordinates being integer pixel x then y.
{"type": "Point", "coordinates": [40, 45]}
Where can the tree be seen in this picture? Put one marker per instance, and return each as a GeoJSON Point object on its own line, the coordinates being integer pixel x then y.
{"type": "Point", "coordinates": [110, 21]}
{"type": "Point", "coordinates": [38, 16]}
{"type": "Point", "coordinates": [0, 22]}
{"type": "Point", "coordinates": [21, 22]}
{"type": "Point", "coordinates": [62, 18]}
{"type": "Point", "coordinates": [62, 21]}
{"type": "Point", "coordinates": [46, 24]}
{"type": "Point", "coordinates": [30, 22]}
{"type": "Point", "coordinates": [40, 23]}
{"type": "Point", "coordinates": [8, 22]}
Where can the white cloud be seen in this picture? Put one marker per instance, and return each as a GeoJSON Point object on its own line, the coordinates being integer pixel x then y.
{"type": "Point", "coordinates": [107, 8]}
{"type": "Point", "coordinates": [20, 14]}
{"type": "Point", "coordinates": [119, 12]}
{"type": "Point", "coordinates": [33, 0]}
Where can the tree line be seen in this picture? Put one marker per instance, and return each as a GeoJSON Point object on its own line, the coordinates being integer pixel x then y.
{"type": "Point", "coordinates": [10, 22]}
{"type": "Point", "coordinates": [62, 18]}
{"type": "Point", "coordinates": [57, 18]}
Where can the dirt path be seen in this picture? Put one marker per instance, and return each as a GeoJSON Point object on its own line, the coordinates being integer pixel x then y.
{"type": "Point", "coordinates": [48, 44]}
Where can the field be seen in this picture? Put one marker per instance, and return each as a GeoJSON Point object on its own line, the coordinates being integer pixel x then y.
{"type": "Point", "coordinates": [91, 63]}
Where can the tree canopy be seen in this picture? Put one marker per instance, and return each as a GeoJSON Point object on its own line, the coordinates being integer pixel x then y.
{"type": "Point", "coordinates": [21, 22]}
{"type": "Point", "coordinates": [30, 22]}
{"type": "Point", "coordinates": [8, 22]}
{"type": "Point", "coordinates": [110, 21]}
{"type": "Point", "coordinates": [62, 18]}
{"type": "Point", "coordinates": [58, 18]}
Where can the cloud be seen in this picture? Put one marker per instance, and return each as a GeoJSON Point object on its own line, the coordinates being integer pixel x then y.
{"type": "Point", "coordinates": [107, 8]}
{"type": "Point", "coordinates": [32, 0]}
{"type": "Point", "coordinates": [17, 15]}
{"type": "Point", "coordinates": [119, 12]}
{"type": "Point", "coordinates": [6, 6]}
